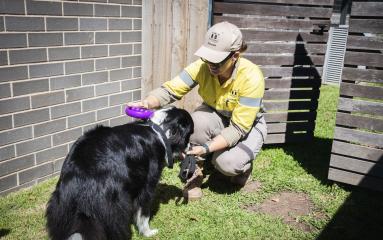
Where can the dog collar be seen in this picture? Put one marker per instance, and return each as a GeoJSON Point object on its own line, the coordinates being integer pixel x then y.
{"type": "Point", "coordinates": [168, 148]}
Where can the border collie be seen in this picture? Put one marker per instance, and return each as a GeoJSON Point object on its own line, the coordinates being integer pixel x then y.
{"type": "Point", "coordinates": [110, 174]}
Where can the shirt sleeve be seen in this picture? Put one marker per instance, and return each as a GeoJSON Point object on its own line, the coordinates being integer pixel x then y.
{"type": "Point", "coordinates": [180, 85]}
{"type": "Point", "coordinates": [163, 96]}
{"type": "Point", "coordinates": [232, 134]}
{"type": "Point", "coordinates": [250, 101]}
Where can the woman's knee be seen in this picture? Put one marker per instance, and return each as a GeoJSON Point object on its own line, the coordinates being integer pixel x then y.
{"type": "Point", "coordinates": [199, 119]}
{"type": "Point", "coordinates": [204, 125]}
{"type": "Point", "coordinates": [200, 129]}
{"type": "Point", "coordinates": [232, 162]}
{"type": "Point", "coordinates": [226, 165]}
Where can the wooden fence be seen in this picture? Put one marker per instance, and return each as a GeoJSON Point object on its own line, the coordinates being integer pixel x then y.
{"type": "Point", "coordinates": [172, 31]}
{"type": "Point", "coordinates": [287, 38]}
{"type": "Point", "coordinates": [357, 152]}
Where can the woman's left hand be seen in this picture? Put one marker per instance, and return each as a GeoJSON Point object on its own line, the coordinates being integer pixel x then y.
{"type": "Point", "coordinates": [197, 150]}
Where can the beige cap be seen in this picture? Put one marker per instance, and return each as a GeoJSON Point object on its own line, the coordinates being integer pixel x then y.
{"type": "Point", "coordinates": [221, 39]}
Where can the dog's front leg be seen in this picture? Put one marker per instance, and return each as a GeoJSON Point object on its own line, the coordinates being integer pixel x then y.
{"type": "Point", "coordinates": [142, 223]}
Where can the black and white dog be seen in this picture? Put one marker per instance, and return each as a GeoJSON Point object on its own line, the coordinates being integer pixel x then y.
{"type": "Point", "coordinates": [109, 177]}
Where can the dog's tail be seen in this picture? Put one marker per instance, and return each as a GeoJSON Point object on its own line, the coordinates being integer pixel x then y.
{"type": "Point", "coordinates": [64, 219]}
{"type": "Point", "coordinates": [95, 219]}
{"type": "Point", "coordinates": [67, 223]}
{"type": "Point", "coordinates": [87, 228]}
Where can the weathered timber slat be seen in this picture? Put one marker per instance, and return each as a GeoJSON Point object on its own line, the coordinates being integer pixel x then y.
{"type": "Point", "coordinates": [355, 165]}
{"type": "Point", "coordinates": [363, 42]}
{"type": "Point", "coordinates": [346, 119]}
{"type": "Point", "coordinates": [297, 71]}
{"type": "Point", "coordinates": [283, 138]}
{"type": "Point", "coordinates": [292, 83]}
{"type": "Point", "coordinates": [363, 75]}
{"type": "Point", "coordinates": [369, 9]}
{"type": "Point", "coordinates": [271, 10]}
{"type": "Point", "coordinates": [253, 35]}
{"type": "Point", "coordinates": [365, 59]}
{"type": "Point", "coordinates": [356, 136]}
{"type": "Point", "coordinates": [353, 90]}
{"type": "Point", "coordinates": [283, 48]}
{"type": "Point", "coordinates": [286, 60]}
{"type": "Point", "coordinates": [290, 127]}
{"type": "Point", "coordinates": [366, 25]}
{"type": "Point", "coordinates": [280, 23]}
{"type": "Point", "coordinates": [360, 106]}
{"type": "Point", "coordinates": [306, 2]}
{"type": "Point", "coordinates": [292, 105]}
{"type": "Point", "coordinates": [358, 151]}
{"type": "Point", "coordinates": [355, 179]}
{"type": "Point", "coordinates": [291, 94]}
{"type": "Point", "coordinates": [290, 116]}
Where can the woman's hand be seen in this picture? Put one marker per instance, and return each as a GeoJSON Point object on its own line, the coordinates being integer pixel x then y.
{"type": "Point", "coordinates": [150, 102]}
{"type": "Point", "coordinates": [143, 104]}
{"type": "Point", "coordinates": [197, 150]}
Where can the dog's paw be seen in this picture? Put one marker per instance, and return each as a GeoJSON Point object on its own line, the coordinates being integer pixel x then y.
{"type": "Point", "coordinates": [150, 232]}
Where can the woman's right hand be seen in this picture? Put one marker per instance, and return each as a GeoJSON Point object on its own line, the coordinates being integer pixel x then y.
{"type": "Point", "coordinates": [150, 102]}
{"type": "Point", "coordinates": [142, 104]}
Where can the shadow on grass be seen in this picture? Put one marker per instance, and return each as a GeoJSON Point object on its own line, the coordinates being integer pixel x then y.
{"type": "Point", "coordinates": [4, 232]}
{"type": "Point", "coordinates": [359, 217]}
{"type": "Point", "coordinates": [313, 156]}
{"type": "Point", "coordinates": [218, 183]}
{"type": "Point", "coordinates": [164, 193]}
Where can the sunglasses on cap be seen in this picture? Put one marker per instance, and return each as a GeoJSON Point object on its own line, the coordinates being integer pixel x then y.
{"type": "Point", "coordinates": [220, 64]}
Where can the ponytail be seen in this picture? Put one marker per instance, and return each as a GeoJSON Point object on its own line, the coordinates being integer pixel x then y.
{"type": "Point", "coordinates": [243, 47]}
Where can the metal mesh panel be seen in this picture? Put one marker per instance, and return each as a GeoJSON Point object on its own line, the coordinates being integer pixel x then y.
{"type": "Point", "coordinates": [336, 48]}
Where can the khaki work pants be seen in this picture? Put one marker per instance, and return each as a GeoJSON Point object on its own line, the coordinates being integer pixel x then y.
{"type": "Point", "coordinates": [231, 161]}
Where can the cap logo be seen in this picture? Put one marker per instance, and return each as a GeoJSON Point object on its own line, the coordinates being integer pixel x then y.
{"type": "Point", "coordinates": [213, 39]}
{"type": "Point", "coordinates": [213, 36]}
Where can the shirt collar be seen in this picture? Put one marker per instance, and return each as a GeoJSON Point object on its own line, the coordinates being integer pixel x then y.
{"type": "Point", "coordinates": [233, 74]}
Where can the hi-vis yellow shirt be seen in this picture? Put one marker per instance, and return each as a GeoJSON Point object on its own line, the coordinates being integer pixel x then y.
{"type": "Point", "coordinates": [238, 99]}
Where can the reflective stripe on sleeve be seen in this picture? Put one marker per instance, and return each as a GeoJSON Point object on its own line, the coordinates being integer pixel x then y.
{"type": "Point", "coordinates": [251, 102]}
{"type": "Point", "coordinates": [187, 79]}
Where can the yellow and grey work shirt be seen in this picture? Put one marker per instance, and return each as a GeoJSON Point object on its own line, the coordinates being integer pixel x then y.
{"type": "Point", "coordinates": [239, 98]}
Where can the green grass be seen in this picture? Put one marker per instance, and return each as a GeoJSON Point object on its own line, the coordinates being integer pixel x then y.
{"type": "Point", "coordinates": [344, 212]}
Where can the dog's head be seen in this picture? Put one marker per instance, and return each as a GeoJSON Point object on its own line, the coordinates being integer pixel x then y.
{"type": "Point", "coordinates": [177, 125]}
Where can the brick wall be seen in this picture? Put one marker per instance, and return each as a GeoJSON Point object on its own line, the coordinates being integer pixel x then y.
{"type": "Point", "coordinates": [65, 66]}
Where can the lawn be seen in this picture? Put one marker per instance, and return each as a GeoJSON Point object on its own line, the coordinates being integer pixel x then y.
{"type": "Point", "coordinates": [335, 211]}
